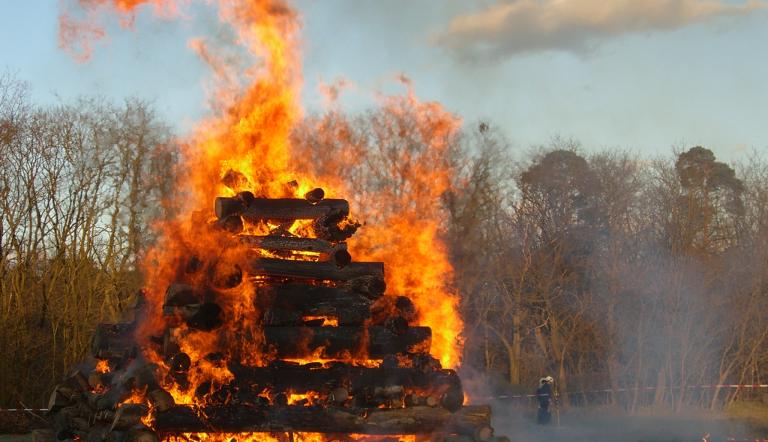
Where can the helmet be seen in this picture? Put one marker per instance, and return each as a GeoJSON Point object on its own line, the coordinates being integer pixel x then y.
{"type": "Point", "coordinates": [546, 380]}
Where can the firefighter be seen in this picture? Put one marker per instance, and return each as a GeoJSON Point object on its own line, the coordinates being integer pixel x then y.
{"type": "Point", "coordinates": [544, 394]}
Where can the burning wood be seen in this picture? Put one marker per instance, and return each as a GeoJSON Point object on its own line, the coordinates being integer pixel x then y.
{"type": "Point", "coordinates": [327, 251]}
{"type": "Point", "coordinates": [301, 341]}
{"type": "Point", "coordinates": [278, 209]}
{"type": "Point", "coordinates": [339, 342]}
{"type": "Point", "coordinates": [315, 270]}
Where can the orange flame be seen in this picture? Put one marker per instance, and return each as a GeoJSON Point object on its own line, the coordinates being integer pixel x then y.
{"type": "Point", "coordinates": [249, 137]}
{"type": "Point", "coordinates": [403, 218]}
{"type": "Point", "coordinates": [102, 366]}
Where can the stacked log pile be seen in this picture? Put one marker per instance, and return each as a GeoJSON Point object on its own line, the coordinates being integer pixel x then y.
{"type": "Point", "coordinates": [338, 356]}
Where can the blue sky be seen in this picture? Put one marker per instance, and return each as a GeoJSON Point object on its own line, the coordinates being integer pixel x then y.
{"type": "Point", "coordinates": [640, 74]}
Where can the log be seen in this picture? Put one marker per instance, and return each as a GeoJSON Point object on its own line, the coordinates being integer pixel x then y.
{"type": "Point", "coordinates": [287, 304]}
{"type": "Point", "coordinates": [128, 415]}
{"type": "Point", "coordinates": [369, 381]}
{"type": "Point", "coordinates": [111, 399]}
{"type": "Point", "coordinates": [160, 399]}
{"type": "Point", "coordinates": [311, 317]}
{"type": "Point", "coordinates": [60, 397]}
{"type": "Point", "coordinates": [335, 226]}
{"type": "Point", "coordinates": [287, 268]}
{"type": "Point", "coordinates": [113, 341]}
{"type": "Point", "coordinates": [207, 317]}
{"type": "Point", "coordinates": [339, 395]}
{"type": "Point", "coordinates": [475, 422]}
{"type": "Point", "coordinates": [279, 209]}
{"type": "Point", "coordinates": [371, 286]}
{"type": "Point", "coordinates": [180, 362]}
{"type": "Point", "coordinates": [178, 295]}
{"type": "Point", "coordinates": [234, 179]}
{"type": "Point", "coordinates": [413, 420]}
{"type": "Point", "coordinates": [328, 251]}
{"type": "Point", "coordinates": [141, 434]}
{"type": "Point", "coordinates": [315, 195]}
{"type": "Point", "coordinates": [98, 380]}
{"type": "Point", "coordinates": [231, 224]}
{"type": "Point", "coordinates": [309, 298]}
{"type": "Point", "coordinates": [341, 342]}
{"type": "Point", "coordinates": [73, 419]}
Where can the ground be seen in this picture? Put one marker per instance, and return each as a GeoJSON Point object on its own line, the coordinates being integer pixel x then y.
{"type": "Point", "coordinates": [604, 425]}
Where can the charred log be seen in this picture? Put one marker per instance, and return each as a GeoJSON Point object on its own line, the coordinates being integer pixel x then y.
{"type": "Point", "coordinates": [288, 304]}
{"type": "Point", "coordinates": [207, 317]}
{"type": "Point", "coordinates": [160, 399]}
{"type": "Point", "coordinates": [315, 270]}
{"type": "Point", "coordinates": [69, 392]}
{"type": "Point", "coordinates": [339, 342]}
{"type": "Point", "coordinates": [128, 415]}
{"type": "Point", "coordinates": [311, 317]}
{"type": "Point", "coordinates": [328, 251]}
{"type": "Point", "coordinates": [370, 286]}
{"type": "Point", "coordinates": [181, 294]}
{"type": "Point", "coordinates": [305, 378]}
{"type": "Point", "coordinates": [231, 224]}
{"type": "Point", "coordinates": [315, 195]}
{"type": "Point", "coordinates": [141, 434]}
{"type": "Point", "coordinates": [113, 341]}
{"type": "Point", "coordinates": [277, 209]}
{"type": "Point", "coordinates": [413, 420]}
{"type": "Point", "coordinates": [335, 226]}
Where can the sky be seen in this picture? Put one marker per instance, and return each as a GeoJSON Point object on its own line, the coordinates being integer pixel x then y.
{"type": "Point", "coordinates": [642, 75]}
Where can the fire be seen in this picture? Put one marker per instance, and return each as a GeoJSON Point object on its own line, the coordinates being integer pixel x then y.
{"type": "Point", "coordinates": [249, 139]}
{"type": "Point", "coordinates": [403, 219]}
{"type": "Point", "coordinates": [245, 145]}
{"type": "Point", "coordinates": [102, 366]}
{"type": "Point", "coordinates": [327, 321]}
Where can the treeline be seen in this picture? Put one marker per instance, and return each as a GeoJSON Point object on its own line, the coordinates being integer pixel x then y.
{"type": "Point", "coordinates": [609, 271]}
{"type": "Point", "coordinates": [604, 269]}
{"type": "Point", "coordinates": [78, 184]}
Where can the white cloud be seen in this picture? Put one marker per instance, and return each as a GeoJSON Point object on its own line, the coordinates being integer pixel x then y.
{"type": "Point", "coordinates": [517, 26]}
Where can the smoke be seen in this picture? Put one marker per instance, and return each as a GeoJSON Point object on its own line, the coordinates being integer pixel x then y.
{"type": "Point", "coordinates": [513, 27]}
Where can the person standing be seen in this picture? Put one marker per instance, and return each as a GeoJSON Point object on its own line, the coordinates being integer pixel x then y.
{"type": "Point", "coordinates": [544, 394]}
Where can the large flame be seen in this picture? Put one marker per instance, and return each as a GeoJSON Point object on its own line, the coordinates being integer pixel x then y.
{"type": "Point", "coordinates": [255, 109]}
{"type": "Point", "coordinates": [410, 170]}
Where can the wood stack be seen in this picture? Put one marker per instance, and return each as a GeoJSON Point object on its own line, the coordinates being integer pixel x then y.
{"type": "Point", "coordinates": [364, 365]}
